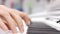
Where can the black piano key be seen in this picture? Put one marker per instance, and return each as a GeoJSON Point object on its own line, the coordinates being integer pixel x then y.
{"type": "Point", "coordinates": [41, 28]}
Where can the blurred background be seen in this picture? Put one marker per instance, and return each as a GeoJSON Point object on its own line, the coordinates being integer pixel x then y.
{"type": "Point", "coordinates": [27, 6]}
{"type": "Point", "coordinates": [35, 7]}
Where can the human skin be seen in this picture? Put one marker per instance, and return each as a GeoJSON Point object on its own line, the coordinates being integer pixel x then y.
{"type": "Point", "coordinates": [10, 18]}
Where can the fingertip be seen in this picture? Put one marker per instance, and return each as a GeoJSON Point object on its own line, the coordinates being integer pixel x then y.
{"type": "Point", "coordinates": [6, 29]}
{"type": "Point", "coordinates": [29, 23]}
{"type": "Point", "coordinates": [22, 30]}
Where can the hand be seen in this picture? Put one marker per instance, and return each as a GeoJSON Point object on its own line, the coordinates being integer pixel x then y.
{"type": "Point", "coordinates": [10, 18]}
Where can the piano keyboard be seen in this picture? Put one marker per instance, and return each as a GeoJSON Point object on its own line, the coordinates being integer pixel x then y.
{"type": "Point", "coordinates": [41, 28]}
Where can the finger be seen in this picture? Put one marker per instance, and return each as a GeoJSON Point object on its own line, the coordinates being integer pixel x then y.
{"type": "Point", "coordinates": [10, 23]}
{"type": "Point", "coordinates": [18, 19]}
{"type": "Point", "coordinates": [2, 25]}
{"type": "Point", "coordinates": [4, 21]}
{"type": "Point", "coordinates": [23, 16]}
{"type": "Point", "coordinates": [26, 19]}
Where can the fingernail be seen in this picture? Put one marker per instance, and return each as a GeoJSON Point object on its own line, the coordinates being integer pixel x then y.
{"type": "Point", "coordinates": [22, 30]}
{"type": "Point", "coordinates": [15, 32]}
{"type": "Point", "coordinates": [6, 29]}
{"type": "Point", "coordinates": [29, 23]}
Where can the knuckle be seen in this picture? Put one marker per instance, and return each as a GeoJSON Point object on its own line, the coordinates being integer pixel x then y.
{"type": "Point", "coordinates": [25, 15]}
{"type": "Point", "coordinates": [3, 13]}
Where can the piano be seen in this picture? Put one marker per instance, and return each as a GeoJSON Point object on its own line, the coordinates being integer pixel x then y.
{"type": "Point", "coordinates": [40, 27]}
